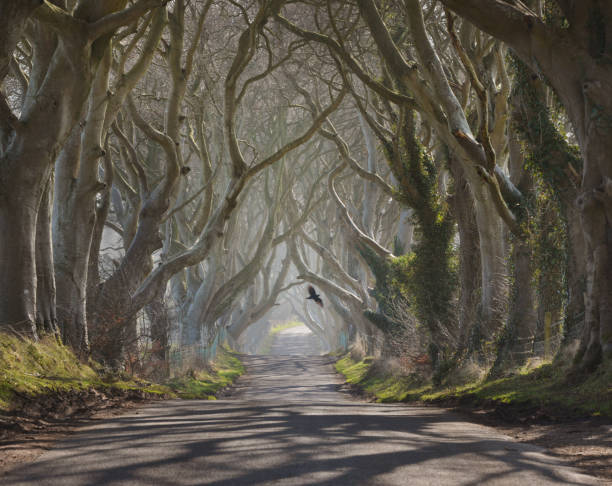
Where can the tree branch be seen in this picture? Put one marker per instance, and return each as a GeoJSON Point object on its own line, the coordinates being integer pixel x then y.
{"type": "Point", "coordinates": [314, 127]}
{"type": "Point", "coordinates": [510, 21]}
{"type": "Point", "coordinates": [360, 235]}
{"type": "Point", "coordinates": [58, 19]}
{"type": "Point", "coordinates": [350, 61]}
{"type": "Point", "coordinates": [13, 17]}
{"type": "Point", "coordinates": [111, 22]}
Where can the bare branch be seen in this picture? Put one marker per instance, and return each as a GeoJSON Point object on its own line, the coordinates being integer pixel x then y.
{"type": "Point", "coordinates": [111, 22]}
{"type": "Point", "coordinates": [350, 61]}
{"type": "Point", "coordinates": [58, 19]}
{"type": "Point", "coordinates": [314, 127]}
{"type": "Point", "coordinates": [360, 235]}
{"type": "Point", "coordinates": [114, 227]}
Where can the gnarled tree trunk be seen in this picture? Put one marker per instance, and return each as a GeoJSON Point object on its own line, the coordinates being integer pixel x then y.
{"type": "Point", "coordinates": [572, 59]}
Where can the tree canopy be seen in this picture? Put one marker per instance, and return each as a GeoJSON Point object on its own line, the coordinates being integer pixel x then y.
{"type": "Point", "coordinates": [174, 172]}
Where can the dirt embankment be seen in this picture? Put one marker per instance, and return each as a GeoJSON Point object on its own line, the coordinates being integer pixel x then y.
{"type": "Point", "coordinates": [34, 423]}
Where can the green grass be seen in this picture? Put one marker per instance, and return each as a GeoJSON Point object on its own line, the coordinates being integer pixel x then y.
{"type": "Point", "coordinates": [545, 387]}
{"type": "Point", "coordinates": [37, 368]}
{"type": "Point", "coordinates": [205, 383]}
{"type": "Point", "coordinates": [46, 367]}
{"type": "Point", "coordinates": [266, 344]}
{"type": "Point", "coordinates": [383, 386]}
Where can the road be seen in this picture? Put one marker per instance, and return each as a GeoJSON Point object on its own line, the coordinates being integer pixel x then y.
{"type": "Point", "coordinates": [286, 424]}
{"type": "Point", "coordinates": [296, 341]}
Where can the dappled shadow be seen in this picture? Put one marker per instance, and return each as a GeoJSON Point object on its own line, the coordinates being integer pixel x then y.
{"type": "Point", "coordinates": [286, 424]}
{"type": "Point", "coordinates": [240, 443]}
{"type": "Point", "coordinates": [584, 443]}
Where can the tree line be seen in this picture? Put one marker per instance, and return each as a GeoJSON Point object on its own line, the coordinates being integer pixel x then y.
{"type": "Point", "coordinates": [171, 171]}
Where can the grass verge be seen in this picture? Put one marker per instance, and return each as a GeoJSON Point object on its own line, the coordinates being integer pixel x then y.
{"type": "Point", "coordinates": [226, 368]}
{"type": "Point", "coordinates": [545, 388]}
{"type": "Point", "coordinates": [43, 368]}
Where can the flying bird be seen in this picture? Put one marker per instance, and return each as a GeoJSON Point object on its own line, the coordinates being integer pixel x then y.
{"type": "Point", "coordinates": [314, 296]}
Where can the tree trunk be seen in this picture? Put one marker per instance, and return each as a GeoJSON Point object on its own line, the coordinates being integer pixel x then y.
{"type": "Point", "coordinates": [517, 341]}
{"type": "Point", "coordinates": [469, 256]}
{"type": "Point", "coordinates": [59, 84]}
{"type": "Point", "coordinates": [589, 221]}
{"type": "Point", "coordinates": [522, 318]}
{"type": "Point", "coordinates": [573, 61]}
{"type": "Point", "coordinates": [195, 316]}
{"type": "Point", "coordinates": [369, 188]}
{"type": "Point", "coordinates": [71, 223]}
{"type": "Point", "coordinates": [18, 214]}
{"type": "Point", "coordinates": [46, 318]}
{"type": "Point", "coordinates": [575, 275]}
{"type": "Point", "coordinates": [557, 163]}
{"type": "Point", "coordinates": [493, 270]}
{"type": "Point", "coordinates": [595, 205]}
{"type": "Point", "coordinates": [77, 187]}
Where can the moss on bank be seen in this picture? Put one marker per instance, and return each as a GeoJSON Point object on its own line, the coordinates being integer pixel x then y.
{"type": "Point", "coordinates": [226, 368]}
{"type": "Point", "coordinates": [545, 387]}
{"type": "Point", "coordinates": [46, 367]}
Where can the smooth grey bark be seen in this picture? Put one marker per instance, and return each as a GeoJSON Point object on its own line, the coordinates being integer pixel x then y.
{"type": "Point", "coordinates": [77, 187]}
{"type": "Point", "coordinates": [195, 315]}
{"type": "Point", "coordinates": [439, 105]}
{"type": "Point", "coordinates": [369, 188]}
{"type": "Point", "coordinates": [571, 61]}
{"type": "Point", "coordinates": [58, 88]}
{"type": "Point", "coordinates": [470, 274]}
{"type": "Point", "coordinates": [102, 210]}
{"type": "Point", "coordinates": [46, 317]}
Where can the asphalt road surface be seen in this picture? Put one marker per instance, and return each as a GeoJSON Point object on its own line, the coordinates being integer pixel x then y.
{"type": "Point", "coordinates": [286, 424]}
{"type": "Point", "coordinates": [296, 341]}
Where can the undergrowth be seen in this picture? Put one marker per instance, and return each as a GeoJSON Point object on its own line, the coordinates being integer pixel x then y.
{"type": "Point", "coordinates": [46, 367]}
{"type": "Point", "coordinates": [205, 383]}
{"type": "Point", "coordinates": [545, 387]}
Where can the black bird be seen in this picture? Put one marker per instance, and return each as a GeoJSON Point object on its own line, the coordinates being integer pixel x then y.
{"type": "Point", "coordinates": [314, 296]}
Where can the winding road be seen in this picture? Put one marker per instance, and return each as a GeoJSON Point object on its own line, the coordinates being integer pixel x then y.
{"type": "Point", "coordinates": [286, 424]}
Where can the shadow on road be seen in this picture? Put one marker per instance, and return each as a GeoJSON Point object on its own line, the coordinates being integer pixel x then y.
{"type": "Point", "coordinates": [286, 424]}
{"type": "Point", "coordinates": [235, 443]}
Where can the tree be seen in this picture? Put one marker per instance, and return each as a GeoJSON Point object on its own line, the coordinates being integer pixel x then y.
{"type": "Point", "coordinates": [570, 50]}
{"type": "Point", "coordinates": [67, 48]}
